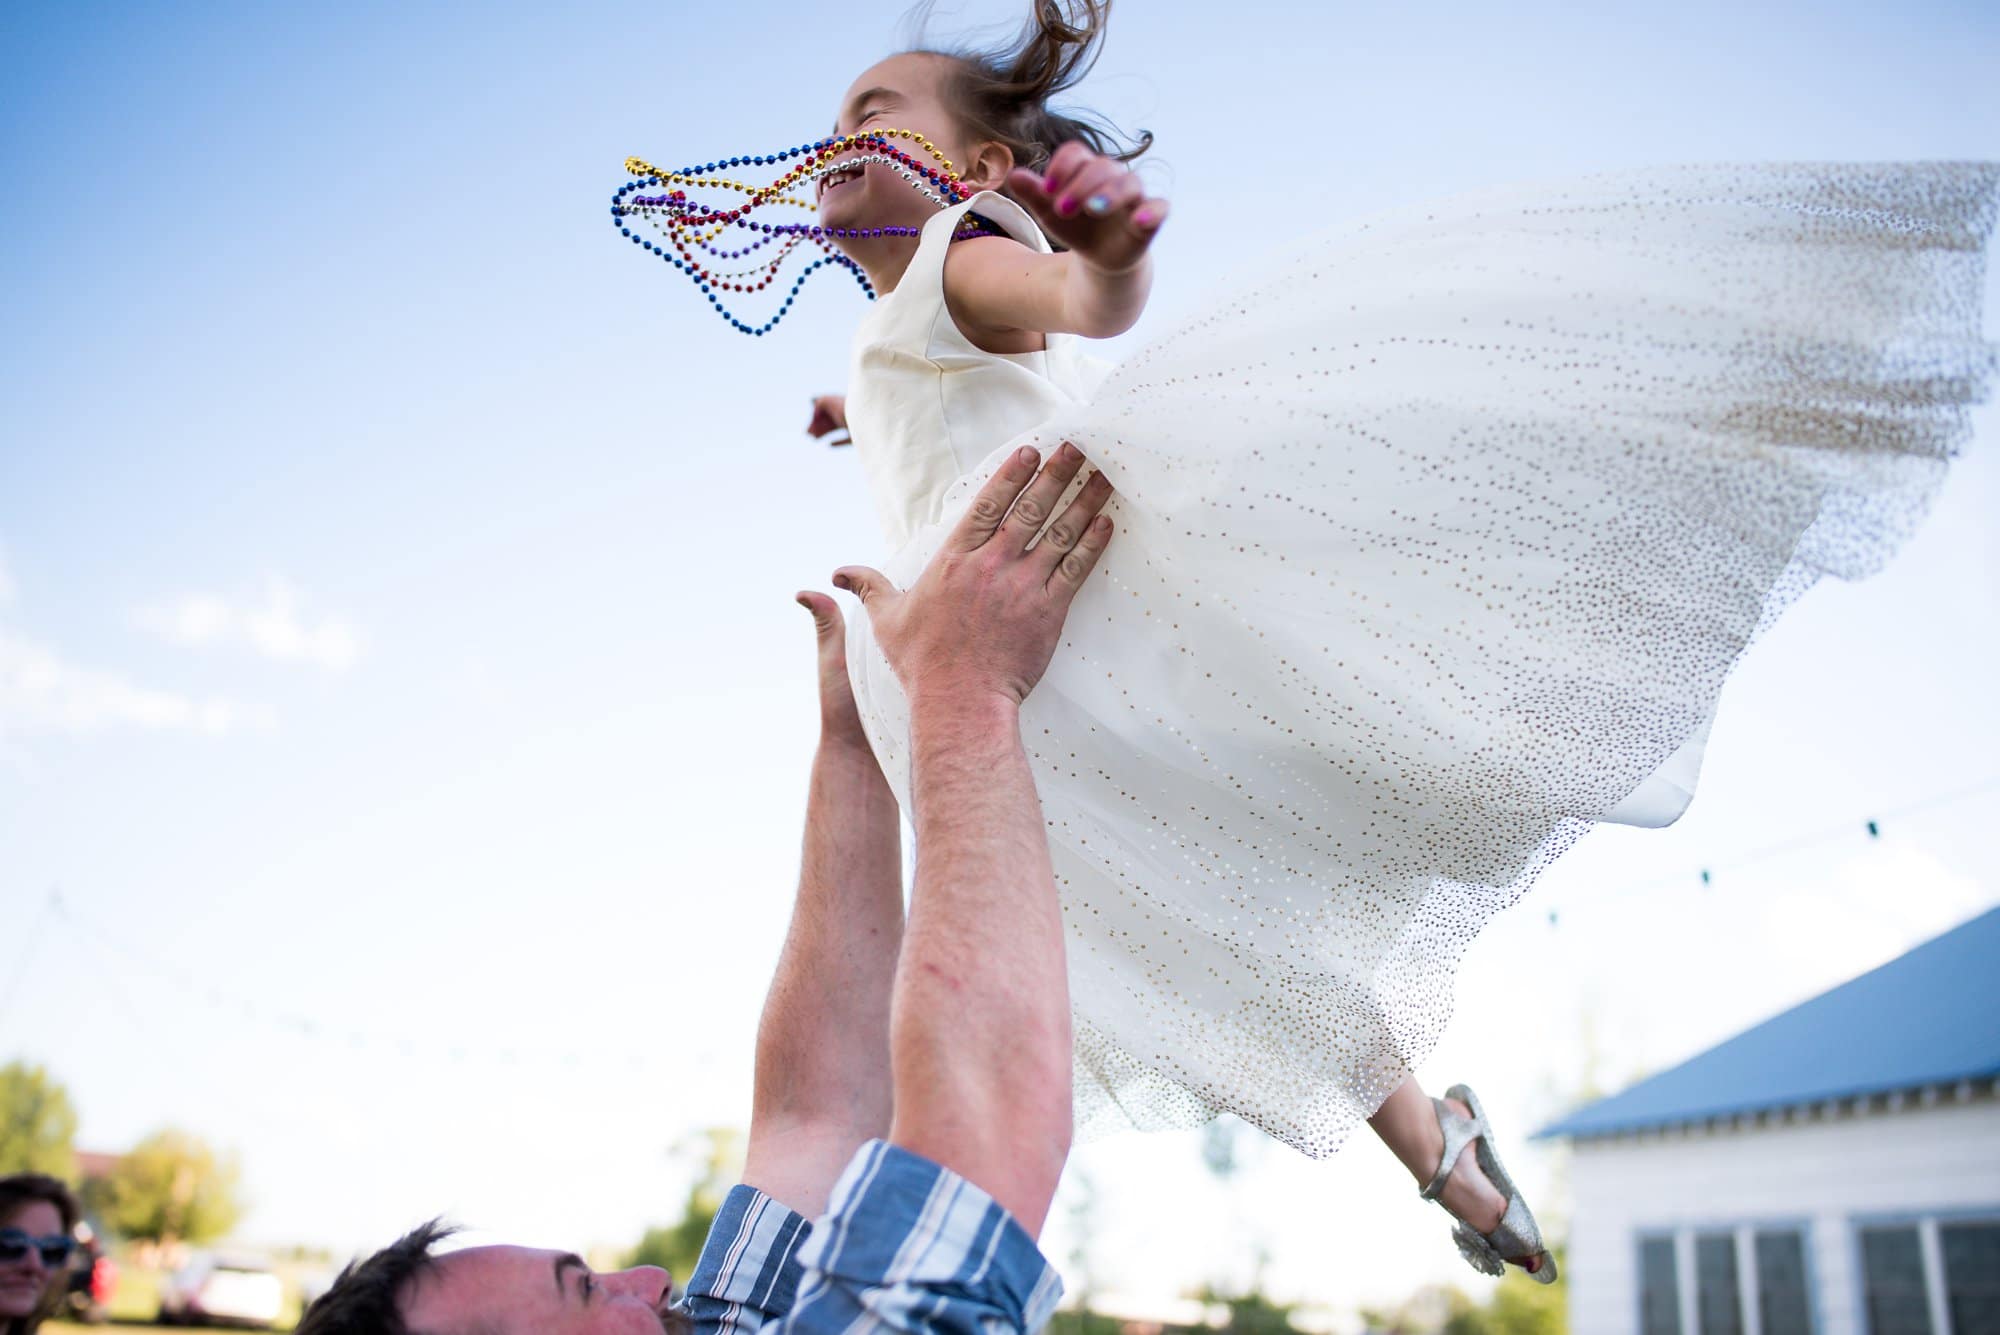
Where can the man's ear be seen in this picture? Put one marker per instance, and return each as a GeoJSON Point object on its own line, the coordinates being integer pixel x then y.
{"type": "Point", "coordinates": [991, 162]}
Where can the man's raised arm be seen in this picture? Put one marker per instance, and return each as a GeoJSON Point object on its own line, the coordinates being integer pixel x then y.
{"type": "Point", "coordinates": [823, 1076]}
{"type": "Point", "coordinates": [981, 1028]}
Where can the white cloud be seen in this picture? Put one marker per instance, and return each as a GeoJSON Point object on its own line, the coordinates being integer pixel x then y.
{"type": "Point", "coordinates": [39, 692]}
{"type": "Point", "coordinates": [273, 626]}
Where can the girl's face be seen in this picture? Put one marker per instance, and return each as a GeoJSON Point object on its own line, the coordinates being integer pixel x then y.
{"type": "Point", "coordinates": [23, 1282]}
{"type": "Point", "coordinates": [903, 93]}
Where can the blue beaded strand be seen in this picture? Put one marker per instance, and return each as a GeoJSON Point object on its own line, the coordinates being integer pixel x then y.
{"type": "Point", "coordinates": [791, 233]}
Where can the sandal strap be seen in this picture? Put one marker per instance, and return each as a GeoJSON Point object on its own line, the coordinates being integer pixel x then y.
{"type": "Point", "coordinates": [1459, 1132]}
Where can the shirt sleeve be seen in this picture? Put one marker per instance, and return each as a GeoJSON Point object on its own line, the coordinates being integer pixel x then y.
{"type": "Point", "coordinates": [749, 1269]}
{"type": "Point", "coordinates": [908, 1245]}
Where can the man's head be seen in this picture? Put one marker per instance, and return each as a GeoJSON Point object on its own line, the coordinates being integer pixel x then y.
{"type": "Point", "coordinates": [404, 1290]}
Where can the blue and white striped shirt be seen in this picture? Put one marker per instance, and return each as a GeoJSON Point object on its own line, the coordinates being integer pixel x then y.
{"type": "Point", "coordinates": [905, 1245]}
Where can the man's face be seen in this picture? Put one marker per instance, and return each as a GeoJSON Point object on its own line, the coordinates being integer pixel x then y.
{"type": "Point", "coordinates": [521, 1291]}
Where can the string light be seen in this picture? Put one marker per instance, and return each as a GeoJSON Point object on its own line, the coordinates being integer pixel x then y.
{"type": "Point", "coordinates": [120, 954]}
{"type": "Point", "coordinates": [1871, 827]}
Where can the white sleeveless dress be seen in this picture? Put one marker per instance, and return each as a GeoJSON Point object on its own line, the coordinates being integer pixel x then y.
{"type": "Point", "coordinates": [1437, 539]}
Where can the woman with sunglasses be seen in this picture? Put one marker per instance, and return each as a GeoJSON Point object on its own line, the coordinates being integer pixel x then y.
{"type": "Point", "coordinates": [38, 1217]}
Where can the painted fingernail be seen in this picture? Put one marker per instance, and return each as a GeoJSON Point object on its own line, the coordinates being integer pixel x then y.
{"type": "Point", "coordinates": [1098, 205]}
{"type": "Point", "coordinates": [1066, 205]}
{"type": "Point", "coordinates": [1049, 184]}
{"type": "Point", "coordinates": [1144, 217]}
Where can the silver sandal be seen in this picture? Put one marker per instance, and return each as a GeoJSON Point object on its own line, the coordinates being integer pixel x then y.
{"type": "Point", "coordinates": [1517, 1236]}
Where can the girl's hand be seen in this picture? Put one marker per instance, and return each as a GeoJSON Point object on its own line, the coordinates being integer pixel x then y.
{"type": "Point", "coordinates": [829, 415]}
{"type": "Point", "coordinates": [1092, 204]}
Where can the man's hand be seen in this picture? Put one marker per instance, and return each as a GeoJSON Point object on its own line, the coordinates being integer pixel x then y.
{"type": "Point", "coordinates": [984, 618]}
{"type": "Point", "coordinates": [1093, 205]}
{"type": "Point", "coordinates": [830, 416]}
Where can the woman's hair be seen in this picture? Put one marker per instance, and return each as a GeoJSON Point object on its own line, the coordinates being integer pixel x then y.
{"type": "Point", "coordinates": [22, 1189]}
{"type": "Point", "coordinates": [1003, 95]}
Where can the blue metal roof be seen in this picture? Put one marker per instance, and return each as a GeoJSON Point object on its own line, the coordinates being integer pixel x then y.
{"type": "Point", "coordinates": [1929, 1017]}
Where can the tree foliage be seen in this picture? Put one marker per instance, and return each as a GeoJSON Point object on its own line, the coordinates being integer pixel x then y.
{"type": "Point", "coordinates": [717, 1157]}
{"type": "Point", "coordinates": [1517, 1306]}
{"type": "Point", "coordinates": [172, 1187]}
{"type": "Point", "coordinates": [37, 1123]}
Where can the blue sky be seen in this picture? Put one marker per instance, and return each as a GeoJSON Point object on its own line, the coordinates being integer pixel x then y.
{"type": "Point", "coordinates": [395, 572]}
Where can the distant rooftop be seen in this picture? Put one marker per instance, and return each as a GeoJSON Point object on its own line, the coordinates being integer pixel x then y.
{"type": "Point", "coordinates": [1929, 1017]}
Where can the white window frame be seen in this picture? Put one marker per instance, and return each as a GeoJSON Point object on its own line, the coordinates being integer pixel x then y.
{"type": "Point", "coordinates": [1930, 1243]}
{"type": "Point", "coordinates": [1744, 1233]}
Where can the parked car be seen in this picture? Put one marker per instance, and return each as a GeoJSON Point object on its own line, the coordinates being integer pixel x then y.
{"type": "Point", "coordinates": [221, 1290]}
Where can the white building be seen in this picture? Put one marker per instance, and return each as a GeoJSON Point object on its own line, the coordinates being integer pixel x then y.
{"type": "Point", "coordinates": [1834, 1170]}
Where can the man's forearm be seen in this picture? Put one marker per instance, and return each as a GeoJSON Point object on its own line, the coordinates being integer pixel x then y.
{"type": "Point", "coordinates": [982, 1029]}
{"type": "Point", "coordinates": [823, 1043]}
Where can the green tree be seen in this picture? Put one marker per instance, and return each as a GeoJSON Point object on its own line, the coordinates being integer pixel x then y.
{"type": "Point", "coordinates": [1252, 1313]}
{"type": "Point", "coordinates": [717, 1157]}
{"type": "Point", "coordinates": [37, 1123]}
{"type": "Point", "coordinates": [172, 1187]}
{"type": "Point", "coordinates": [1520, 1306]}
{"type": "Point", "coordinates": [1517, 1306]}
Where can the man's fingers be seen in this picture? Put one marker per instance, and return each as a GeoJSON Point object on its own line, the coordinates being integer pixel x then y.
{"type": "Point", "coordinates": [1070, 527]}
{"type": "Point", "coordinates": [982, 518]}
{"type": "Point", "coordinates": [1025, 520]}
{"type": "Point", "coordinates": [872, 587]}
{"type": "Point", "coordinates": [825, 613]}
{"type": "Point", "coordinates": [1080, 560]}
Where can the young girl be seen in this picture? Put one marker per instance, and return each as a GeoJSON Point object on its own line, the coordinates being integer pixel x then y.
{"type": "Point", "coordinates": [1437, 540]}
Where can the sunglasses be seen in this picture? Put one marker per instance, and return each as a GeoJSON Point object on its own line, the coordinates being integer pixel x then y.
{"type": "Point", "coordinates": [15, 1244]}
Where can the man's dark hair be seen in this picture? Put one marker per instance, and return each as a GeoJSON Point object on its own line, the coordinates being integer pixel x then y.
{"type": "Point", "coordinates": [363, 1300]}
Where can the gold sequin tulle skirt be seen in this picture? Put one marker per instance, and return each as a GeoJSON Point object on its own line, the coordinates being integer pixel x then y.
{"type": "Point", "coordinates": [1435, 540]}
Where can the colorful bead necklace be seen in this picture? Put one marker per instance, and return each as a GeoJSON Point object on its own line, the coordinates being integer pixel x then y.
{"type": "Point", "coordinates": [689, 229]}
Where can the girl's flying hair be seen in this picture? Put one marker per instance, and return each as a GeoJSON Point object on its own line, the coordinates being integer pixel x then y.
{"type": "Point", "coordinates": [1003, 94]}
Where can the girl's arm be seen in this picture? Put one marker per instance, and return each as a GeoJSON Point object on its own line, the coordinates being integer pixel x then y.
{"type": "Point", "coordinates": [1004, 295]}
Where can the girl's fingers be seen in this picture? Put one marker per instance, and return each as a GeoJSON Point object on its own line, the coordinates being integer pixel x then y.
{"type": "Point", "coordinates": [1074, 178]}
{"type": "Point", "coordinates": [1118, 197]}
{"type": "Point", "coordinates": [1089, 191]}
{"type": "Point", "coordinates": [1064, 164]}
{"type": "Point", "coordinates": [1150, 214]}
{"type": "Point", "coordinates": [1025, 520]}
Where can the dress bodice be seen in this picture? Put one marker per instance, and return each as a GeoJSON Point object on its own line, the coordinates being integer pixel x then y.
{"type": "Point", "coordinates": [924, 405]}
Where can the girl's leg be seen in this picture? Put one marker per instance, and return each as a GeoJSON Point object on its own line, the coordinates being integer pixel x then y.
{"type": "Point", "coordinates": [1408, 1125]}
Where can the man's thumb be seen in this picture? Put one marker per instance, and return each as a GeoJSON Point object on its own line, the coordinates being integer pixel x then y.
{"type": "Point", "coordinates": [825, 612]}
{"type": "Point", "coordinates": [866, 584]}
